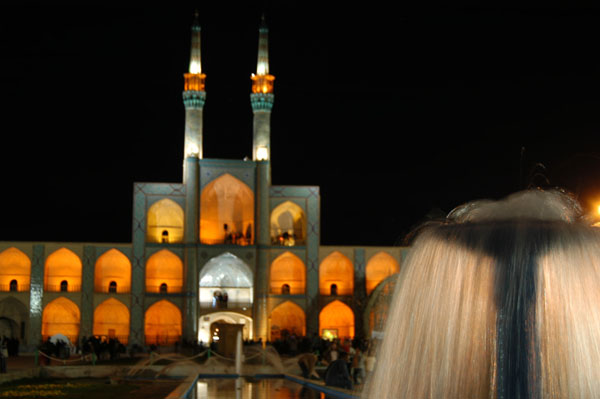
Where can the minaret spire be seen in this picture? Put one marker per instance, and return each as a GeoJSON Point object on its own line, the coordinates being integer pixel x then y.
{"type": "Point", "coordinates": [194, 97]}
{"type": "Point", "coordinates": [262, 97]}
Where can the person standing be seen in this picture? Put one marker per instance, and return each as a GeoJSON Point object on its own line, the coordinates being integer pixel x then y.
{"type": "Point", "coordinates": [3, 355]}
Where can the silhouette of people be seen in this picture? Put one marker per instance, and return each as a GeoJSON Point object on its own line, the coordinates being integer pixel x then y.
{"type": "Point", "coordinates": [337, 374]}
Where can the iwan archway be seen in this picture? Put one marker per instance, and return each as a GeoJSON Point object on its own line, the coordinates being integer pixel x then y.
{"type": "Point", "coordinates": [226, 282]}
{"type": "Point", "coordinates": [207, 331]}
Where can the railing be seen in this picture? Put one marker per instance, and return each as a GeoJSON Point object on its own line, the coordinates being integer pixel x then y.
{"type": "Point", "coordinates": [169, 289]}
{"type": "Point", "coordinates": [234, 240]}
{"type": "Point", "coordinates": [226, 305]}
{"type": "Point", "coordinates": [13, 288]}
{"type": "Point", "coordinates": [61, 288]}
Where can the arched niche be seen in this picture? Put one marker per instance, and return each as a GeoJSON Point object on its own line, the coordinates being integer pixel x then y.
{"type": "Point", "coordinates": [164, 267]}
{"type": "Point", "coordinates": [376, 312]}
{"type": "Point", "coordinates": [112, 269]}
{"type": "Point", "coordinates": [287, 272]}
{"type": "Point", "coordinates": [380, 266]}
{"type": "Point", "coordinates": [62, 269]}
{"type": "Point", "coordinates": [337, 320]}
{"type": "Point", "coordinates": [111, 319]}
{"type": "Point", "coordinates": [227, 212]}
{"type": "Point", "coordinates": [61, 316]}
{"type": "Point", "coordinates": [336, 273]}
{"type": "Point", "coordinates": [226, 274]}
{"type": "Point", "coordinates": [288, 317]}
{"type": "Point", "coordinates": [207, 321]}
{"type": "Point", "coordinates": [162, 323]}
{"type": "Point", "coordinates": [15, 319]}
{"type": "Point", "coordinates": [14, 266]}
{"type": "Point", "coordinates": [288, 225]}
{"type": "Point", "coordinates": [164, 222]}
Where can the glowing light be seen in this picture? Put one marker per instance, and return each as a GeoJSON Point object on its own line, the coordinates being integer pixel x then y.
{"type": "Point", "coordinates": [195, 66]}
{"type": "Point", "coordinates": [262, 153]}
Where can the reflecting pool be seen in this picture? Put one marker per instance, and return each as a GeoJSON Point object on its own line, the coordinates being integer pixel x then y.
{"type": "Point", "coordinates": [241, 388]}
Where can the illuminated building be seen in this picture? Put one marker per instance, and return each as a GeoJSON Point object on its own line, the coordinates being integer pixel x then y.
{"type": "Point", "coordinates": [224, 230]}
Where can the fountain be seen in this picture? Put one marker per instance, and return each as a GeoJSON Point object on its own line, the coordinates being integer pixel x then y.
{"type": "Point", "coordinates": [502, 300]}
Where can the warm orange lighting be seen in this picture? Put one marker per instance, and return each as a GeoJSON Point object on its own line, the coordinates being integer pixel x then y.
{"type": "Point", "coordinates": [162, 323]}
{"type": "Point", "coordinates": [338, 271]}
{"type": "Point", "coordinates": [194, 81]}
{"type": "Point", "coordinates": [288, 269]}
{"type": "Point", "coordinates": [112, 267]}
{"type": "Point", "coordinates": [287, 316]}
{"type": "Point", "coordinates": [379, 267]}
{"type": "Point", "coordinates": [61, 316]}
{"type": "Point", "coordinates": [164, 222]}
{"type": "Point", "coordinates": [62, 271]}
{"type": "Point", "coordinates": [164, 269]}
{"type": "Point", "coordinates": [15, 267]}
{"type": "Point", "coordinates": [337, 316]}
{"type": "Point", "coordinates": [262, 83]}
{"type": "Point", "coordinates": [227, 212]}
{"type": "Point", "coordinates": [111, 319]}
{"type": "Point", "coordinates": [288, 224]}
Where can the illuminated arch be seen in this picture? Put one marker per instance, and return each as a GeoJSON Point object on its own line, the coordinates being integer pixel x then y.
{"type": "Point", "coordinates": [62, 265]}
{"type": "Point", "coordinates": [14, 265]}
{"type": "Point", "coordinates": [376, 312]}
{"type": "Point", "coordinates": [227, 201]}
{"type": "Point", "coordinates": [111, 319]}
{"type": "Point", "coordinates": [207, 321]}
{"type": "Point", "coordinates": [226, 273]}
{"type": "Point", "coordinates": [162, 323]}
{"type": "Point", "coordinates": [61, 316]}
{"type": "Point", "coordinates": [337, 317]}
{"type": "Point", "coordinates": [112, 267]}
{"type": "Point", "coordinates": [287, 316]}
{"type": "Point", "coordinates": [288, 269]}
{"type": "Point", "coordinates": [379, 267]}
{"type": "Point", "coordinates": [336, 270]}
{"type": "Point", "coordinates": [164, 267]}
{"type": "Point", "coordinates": [288, 224]}
{"type": "Point", "coordinates": [164, 222]}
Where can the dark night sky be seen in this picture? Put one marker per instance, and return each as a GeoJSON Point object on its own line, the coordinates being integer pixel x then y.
{"type": "Point", "coordinates": [392, 113]}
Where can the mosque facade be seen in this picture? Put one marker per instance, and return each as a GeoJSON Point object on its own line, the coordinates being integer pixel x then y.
{"type": "Point", "coordinates": [225, 246]}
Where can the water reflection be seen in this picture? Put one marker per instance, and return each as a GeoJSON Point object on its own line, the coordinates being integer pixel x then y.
{"type": "Point", "coordinates": [241, 388]}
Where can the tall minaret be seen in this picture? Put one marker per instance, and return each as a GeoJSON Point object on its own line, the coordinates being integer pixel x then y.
{"type": "Point", "coordinates": [193, 97]}
{"type": "Point", "coordinates": [262, 102]}
{"type": "Point", "coordinates": [262, 98]}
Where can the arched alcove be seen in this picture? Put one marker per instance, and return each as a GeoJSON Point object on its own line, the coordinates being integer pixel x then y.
{"type": "Point", "coordinates": [288, 269]}
{"type": "Point", "coordinates": [164, 267]}
{"type": "Point", "coordinates": [162, 323]}
{"type": "Point", "coordinates": [226, 274]}
{"type": "Point", "coordinates": [376, 312]}
{"type": "Point", "coordinates": [16, 319]}
{"type": "Point", "coordinates": [227, 212]}
{"type": "Point", "coordinates": [164, 222]}
{"type": "Point", "coordinates": [336, 269]}
{"type": "Point", "coordinates": [207, 322]}
{"type": "Point", "coordinates": [112, 267]}
{"type": "Point", "coordinates": [379, 267]}
{"type": "Point", "coordinates": [111, 319]}
{"type": "Point", "coordinates": [61, 316]}
{"type": "Point", "coordinates": [287, 316]}
{"type": "Point", "coordinates": [337, 320]}
{"type": "Point", "coordinates": [14, 266]}
{"type": "Point", "coordinates": [288, 225]}
{"type": "Point", "coordinates": [62, 265]}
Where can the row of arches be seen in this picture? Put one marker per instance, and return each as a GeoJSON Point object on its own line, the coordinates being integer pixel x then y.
{"type": "Point", "coordinates": [162, 321]}
{"type": "Point", "coordinates": [164, 272]}
{"type": "Point", "coordinates": [226, 217]}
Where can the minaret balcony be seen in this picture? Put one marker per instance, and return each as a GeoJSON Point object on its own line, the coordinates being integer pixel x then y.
{"type": "Point", "coordinates": [194, 82]}
{"type": "Point", "coordinates": [262, 83]}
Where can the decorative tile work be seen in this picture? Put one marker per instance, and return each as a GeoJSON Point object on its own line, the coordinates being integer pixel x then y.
{"type": "Point", "coordinates": [36, 295]}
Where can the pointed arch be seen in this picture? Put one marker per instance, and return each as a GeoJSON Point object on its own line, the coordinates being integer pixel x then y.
{"type": "Point", "coordinates": [164, 222]}
{"type": "Point", "coordinates": [62, 265]}
{"type": "Point", "coordinates": [112, 267]}
{"type": "Point", "coordinates": [287, 316]}
{"type": "Point", "coordinates": [111, 319]}
{"type": "Point", "coordinates": [227, 212]}
{"type": "Point", "coordinates": [228, 274]}
{"type": "Point", "coordinates": [164, 267]}
{"type": "Point", "coordinates": [380, 266]}
{"type": "Point", "coordinates": [336, 270]}
{"type": "Point", "coordinates": [14, 266]}
{"type": "Point", "coordinates": [162, 323]}
{"type": "Point", "coordinates": [338, 318]}
{"type": "Point", "coordinates": [61, 316]}
{"type": "Point", "coordinates": [15, 316]}
{"type": "Point", "coordinates": [288, 225]}
{"type": "Point", "coordinates": [288, 269]}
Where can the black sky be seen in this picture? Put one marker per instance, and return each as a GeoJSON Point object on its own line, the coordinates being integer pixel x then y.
{"type": "Point", "coordinates": [392, 113]}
